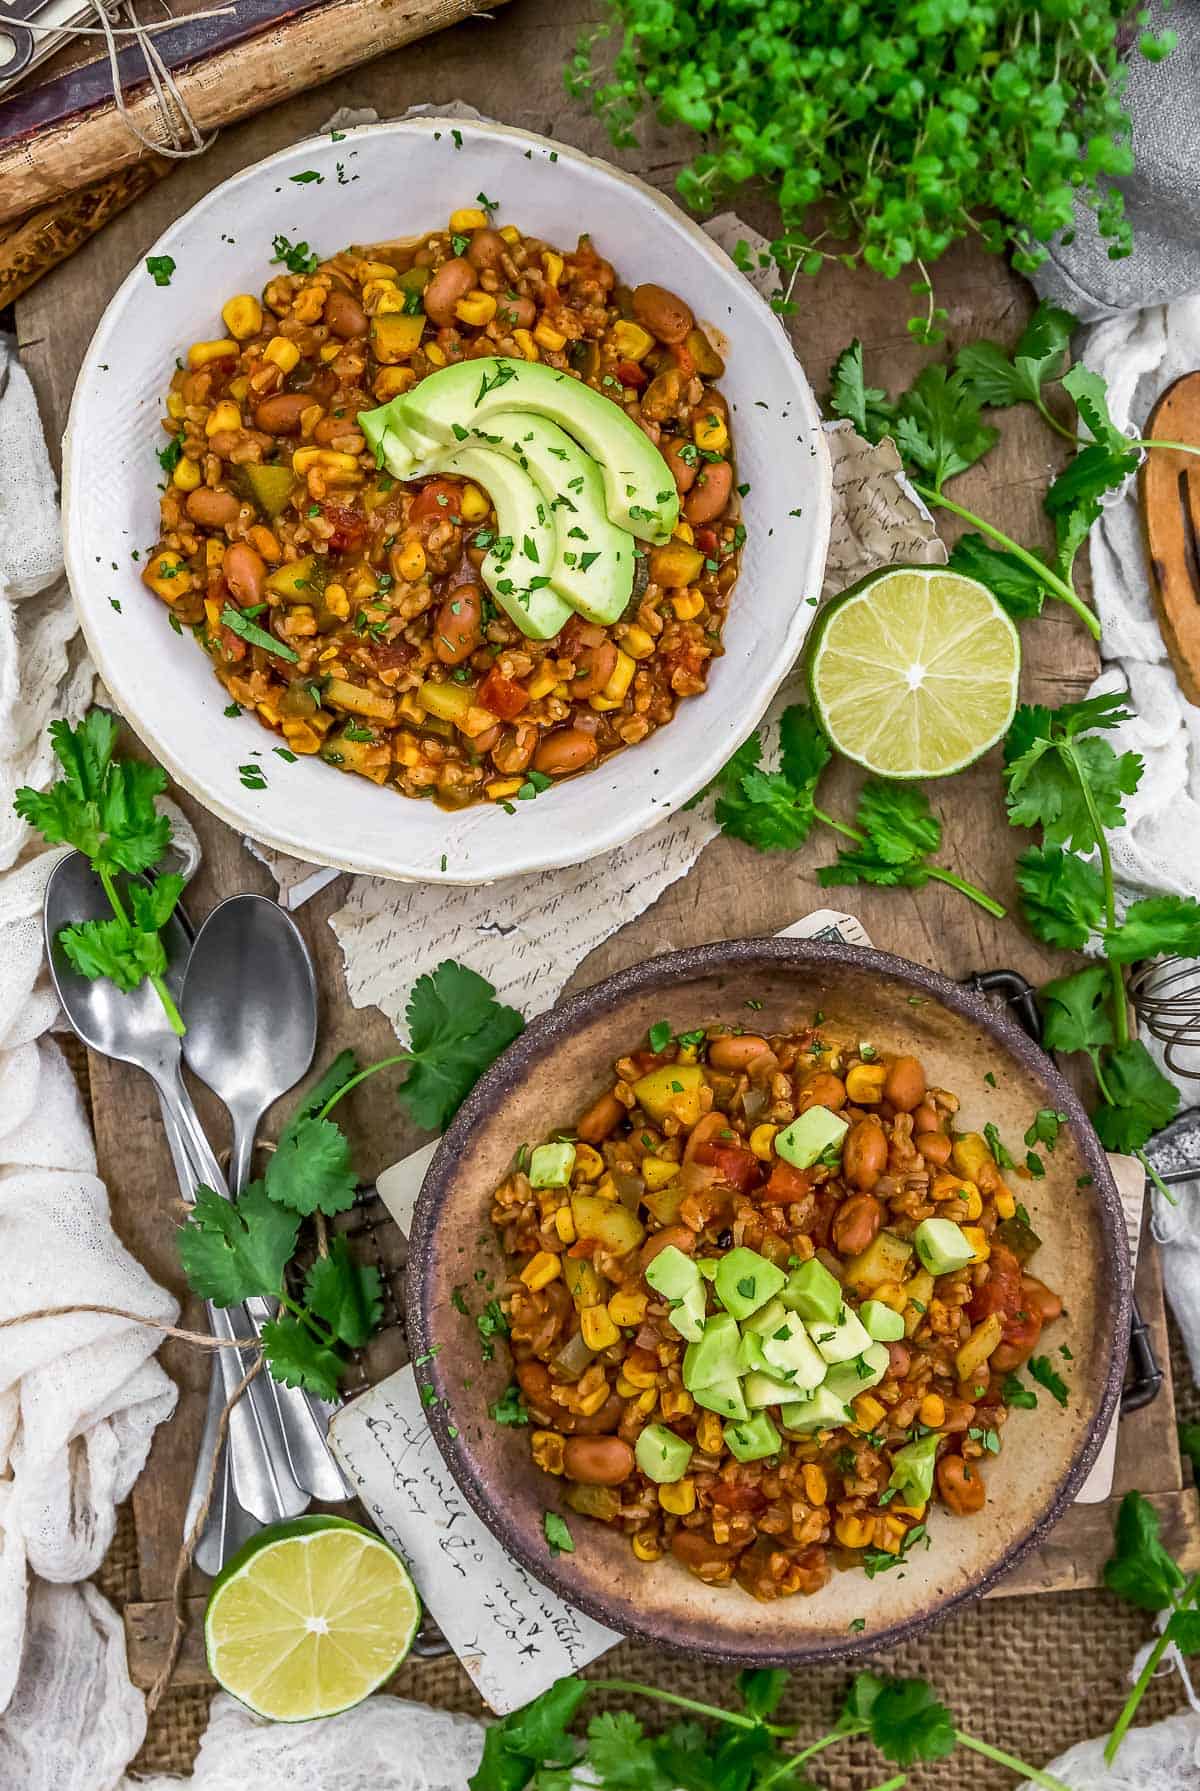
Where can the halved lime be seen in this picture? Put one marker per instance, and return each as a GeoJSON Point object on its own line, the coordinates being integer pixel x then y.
{"type": "Point", "coordinates": [913, 671]}
{"type": "Point", "coordinates": [309, 1617]}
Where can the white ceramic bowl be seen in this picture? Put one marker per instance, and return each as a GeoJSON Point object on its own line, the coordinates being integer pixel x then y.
{"type": "Point", "coordinates": [400, 179]}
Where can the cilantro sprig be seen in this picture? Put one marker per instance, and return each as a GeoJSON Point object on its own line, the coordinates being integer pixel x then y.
{"type": "Point", "coordinates": [105, 808]}
{"type": "Point", "coordinates": [1143, 1572]}
{"type": "Point", "coordinates": [1064, 777]}
{"type": "Point", "coordinates": [895, 831]}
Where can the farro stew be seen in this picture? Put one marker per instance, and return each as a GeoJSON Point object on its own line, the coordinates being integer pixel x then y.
{"type": "Point", "coordinates": [767, 1303]}
{"type": "Point", "coordinates": [457, 514]}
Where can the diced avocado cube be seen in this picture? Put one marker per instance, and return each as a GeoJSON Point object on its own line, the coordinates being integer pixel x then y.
{"type": "Point", "coordinates": [840, 1341]}
{"type": "Point", "coordinates": [808, 1138]}
{"type": "Point", "coordinates": [882, 1323]}
{"type": "Point", "coordinates": [823, 1411]}
{"type": "Point", "coordinates": [712, 1358]}
{"type": "Point", "coordinates": [813, 1292]}
{"type": "Point", "coordinates": [708, 1266]}
{"type": "Point", "coordinates": [790, 1352]}
{"type": "Point", "coordinates": [759, 1390]}
{"type": "Point", "coordinates": [750, 1358]}
{"type": "Point", "coordinates": [745, 1281]}
{"type": "Point", "coordinates": [672, 1274]}
{"type": "Point", "coordinates": [848, 1379]}
{"type": "Point", "coordinates": [912, 1469]}
{"type": "Point", "coordinates": [550, 1165]}
{"type": "Point", "coordinates": [687, 1314]}
{"type": "Point", "coordinates": [661, 1455]}
{"type": "Point", "coordinates": [768, 1318]}
{"type": "Point", "coordinates": [725, 1398]}
{"type": "Point", "coordinates": [752, 1438]}
{"type": "Point", "coordinates": [941, 1246]}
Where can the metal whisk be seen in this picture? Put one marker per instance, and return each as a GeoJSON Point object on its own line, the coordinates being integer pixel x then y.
{"type": "Point", "coordinates": [1166, 996]}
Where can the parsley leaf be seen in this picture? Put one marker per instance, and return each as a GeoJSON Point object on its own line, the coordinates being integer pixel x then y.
{"type": "Point", "coordinates": [1062, 896]}
{"type": "Point", "coordinates": [1140, 1570]}
{"type": "Point", "coordinates": [348, 1296]}
{"type": "Point", "coordinates": [1139, 1100]}
{"type": "Point", "coordinates": [237, 623]}
{"type": "Point", "coordinates": [867, 407]}
{"type": "Point", "coordinates": [457, 1030]}
{"type": "Point", "coordinates": [938, 425]}
{"type": "Point", "coordinates": [1044, 1373]}
{"type": "Point", "coordinates": [1040, 357]}
{"type": "Point", "coordinates": [760, 1689]}
{"type": "Point", "coordinates": [559, 1539]}
{"type": "Point", "coordinates": [1074, 1011]}
{"type": "Point", "coordinates": [1015, 585]}
{"type": "Point", "coordinates": [509, 1409]}
{"type": "Point", "coordinates": [299, 1359]}
{"type": "Point", "coordinates": [1162, 923]}
{"type": "Point", "coordinates": [233, 1252]}
{"type": "Point", "coordinates": [1015, 1393]}
{"type": "Point", "coordinates": [991, 1133]}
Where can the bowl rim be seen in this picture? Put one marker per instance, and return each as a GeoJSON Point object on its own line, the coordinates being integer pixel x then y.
{"type": "Point", "coordinates": [663, 972]}
{"type": "Point", "coordinates": [552, 848]}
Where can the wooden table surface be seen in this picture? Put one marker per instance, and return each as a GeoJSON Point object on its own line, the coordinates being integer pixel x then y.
{"type": "Point", "coordinates": [510, 70]}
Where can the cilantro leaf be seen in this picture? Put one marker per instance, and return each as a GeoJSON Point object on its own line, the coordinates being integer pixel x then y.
{"type": "Point", "coordinates": [558, 1536]}
{"type": "Point", "coordinates": [298, 1359]}
{"type": "Point", "coordinates": [1014, 585]}
{"type": "Point", "coordinates": [762, 810]}
{"type": "Point", "coordinates": [1090, 392]}
{"type": "Point", "coordinates": [539, 1731]}
{"type": "Point", "coordinates": [867, 407]}
{"type": "Point", "coordinates": [1039, 357]}
{"type": "Point", "coordinates": [1163, 923]}
{"type": "Point", "coordinates": [115, 949]}
{"type": "Point", "coordinates": [310, 1169]}
{"type": "Point", "coordinates": [346, 1295]}
{"type": "Point", "coordinates": [901, 830]}
{"type": "Point", "coordinates": [1045, 1374]}
{"type": "Point", "coordinates": [1049, 761]}
{"type": "Point", "coordinates": [938, 425]}
{"type": "Point", "coordinates": [509, 1408]}
{"type": "Point", "coordinates": [1015, 1393]}
{"type": "Point", "coordinates": [1140, 1570]}
{"type": "Point", "coordinates": [254, 636]}
{"type": "Point", "coordinates": [233, 1252]}
{"type": "Point", "coordinates": [1062, 896]}
{"type": "Point", "coordinates": [1078, 488]}
{"type": "Point", "coordinates": [1075, 1011]}
{"type": "Point", "coordinates": [1139, 1098]}
{"type": "Point", "coordinates": [1189, 1443]}
{"type": "Point", "coordinates": [622, 1755]}
{"type": "Point", "coordinates": [1183, 1628]}
{"type": "Point", "coordinates": [457, 1030]}
{"type": "Point", "coordinates": [745, 758]}
{"type": "Point", "coordinates": [1047, 1123]}
{"type": "Point", "coordinates": [906, 1722]}
{"type": "Point", "coordinates": [760, 1689]}
{"type": "Point", "coordinates": [804, 750]}
{"type": "Point", "coordinates": [1003, 1157]}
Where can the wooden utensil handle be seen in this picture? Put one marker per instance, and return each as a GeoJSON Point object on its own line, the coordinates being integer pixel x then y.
{"type": "Point", "coordinates": [1169, 489]}
{"type": "Point", "coordinates": [36, 243]}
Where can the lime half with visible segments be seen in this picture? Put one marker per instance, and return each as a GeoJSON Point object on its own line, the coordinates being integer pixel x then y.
{"type": "Point", "coordinates": [309, 1618]}
{"type": "Point", "coordinates": [913, 671]}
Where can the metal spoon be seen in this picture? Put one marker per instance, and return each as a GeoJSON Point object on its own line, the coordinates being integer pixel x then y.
{"type": "Point", "coordinates": [133, 1028]}
{"type": "Point", "coordinates": [250, 1006]}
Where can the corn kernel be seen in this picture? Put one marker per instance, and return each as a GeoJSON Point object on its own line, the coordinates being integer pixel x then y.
{"type": "Point", "coordinates": [542, 681]}
{"type": "Point", "coordinates": [606, 1188]}
{"type": "Point", "coordinates": [646, 1546]}
{"type": "Point", "coordinates": [264, 542]}
{"type": "Point", "coordinates": [282, 353]}
{"type": "Point", "coordinates": [167, 576]}
{"type": "Point", "coordinates": [362, 587]}
{"type": "Point", "coordinates": [688, 1054]}
{"type": "Point", "coordinates": [553, 266]}
{"type": "Point", "coordinates": [526, 344]}
{"type": "Point", "coordinates": [410, 562]}
{"type": "Point", "coordinates": [590, 1403]}
{"type": "Point", "coordinates": [603, 704]}
{"type": "Point", "coordinates": [687, 605]}
{"type": "Point", "coordinates": [406, 751]}
{"type": "Point", "coordinates": [501, 789]}
{"type": "Point", "coordinates": [761, 1140]}
{"type": "Point", "coordinates": [864, 1083]}
{"type": "Point", "coordinates": [375, 270]}
{"type": "Point", "coordinates": [893, 1295]}
{"type": "Point", "coordinates": [175, 405]}
{"type": "Point", "coordinates": [868, 1411]}
{"type": "Point", "coordinates": [541, 1270]}
{"type": "Point", "coordinates": [626, 1388]}
{"type": "Point", "coordinates": [589, 1164]}
{"type": "Point", "coordinates": [638, 643]}
{"type": "Point", "coordinates": [974, 1200]}
{"type": "Point", "coordinates": [914, 1511]}
{"type": "Point", "coordinates": [683, 532]}
{"type": "Point", "coordinates": [932, 1411]}
{"type": "Point", "coordinates": [980, 1248]}
{"type": "Point", "coordinates": [392, 381]}
{"type": "Point", "coordinates": [627, 1307]}
{"type": "Point", "coordinates": [645, 1403]}
{"type": "Point", "coordinates": [212, 613]}
{"type": "Point", "coordinates": [657, 1172]}
{"type": "Point", "coordinates": [474, 506]}
{"type": "Point", "coordinates": [301, 736]}
{"type": "Point", "coordinates": [547, 1447]}
{"type": "Point", "coordinates": [476, 309]}
{"type": "Point", "coordinates": [816, 1487]}
{"type": "Point", "coordinates": [546, 337]}
{"type": "Point", "coordinates": [214, 554]}
{"type": "Point", "coordinates": [510, 233]}
{"type": "Point", "coordinates": [337, 601]}
{"type": "Point", "coordinates": [329, 351]}
{"type": "Point", "coordinates": [330, 460]}
{"type": "Point", "coordinates": [709, 1434]}
{"type": "Point", "coordinates": [186, 474]}
{"type": "Point", "coordinates": [201, 353]}
{"type": "Point", "coordinates": [242, 316]}
{"type": "Point", "coordinates": [564, 1224]}
{"type": "Point", "coordinates": [679, 1499]}
{"type": "Point", "coordinates": [676, 1402]}
{"type": "Point", "coordinates": [854, 1532]}
{"type": "Point", "coordinates": [225, 415]}
{"type": "Point", "coordinates": [640, 1377]}
{"type": "Point", "coordinates": [631, 341]}
{"type": "Point", "coordinates": [269, 713]}
{"type": "Point", "coordinates": [599, 1331]}
{"type": "Point", "coordinates": [621, 678]}
{"type": "Point", "coordinates": [1006, 1205]}
{"type": "Point", "coordinates": [468, 218]}
{"type": "Point", "coordinates": [382, 296]}
{"type": "Point", "coordinates": [710, 432]}
{"type": "Point", "coordinates": [435, 354]}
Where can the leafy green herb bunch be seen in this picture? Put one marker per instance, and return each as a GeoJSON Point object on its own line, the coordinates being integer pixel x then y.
{"type": "Point", "coordinates": [911, 123]}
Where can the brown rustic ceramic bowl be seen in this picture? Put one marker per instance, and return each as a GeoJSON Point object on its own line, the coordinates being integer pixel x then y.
{"type": "Point", "coordinates": [559, 1065]}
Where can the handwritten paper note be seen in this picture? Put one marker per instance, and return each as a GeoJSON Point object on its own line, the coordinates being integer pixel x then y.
{"type": "Point", "coordinates": [513, 1636]}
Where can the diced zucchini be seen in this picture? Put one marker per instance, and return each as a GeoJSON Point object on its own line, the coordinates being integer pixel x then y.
{"type": "Point", "coordinates": [449, 701]}
{"type": "Point", "coordinates": [268, 488]}
{"type": "Point", "coordinates": [585, 1286]}
{"type": "Point", "coordinates": [395, 335]}
{"type": "Point", "coordinates": [884, 1259]}
{"type": "Point", "coordinates": [657, 1093]}
{"type": "Point", "coordinates": [298, 581]}
{"type": "Point", "coordinates": [979, 1345]}
{"type": "Point", "coordinates": [339, 694]}
{"type": "Point", "coordinates": [607, 1222]}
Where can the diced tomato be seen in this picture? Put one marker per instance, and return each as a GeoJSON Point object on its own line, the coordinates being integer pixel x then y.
{"type": "Point", "coordinates": [706, 541]}
{"type": "Point", "coordinates": [502, 696]}
{"type": "Point", "coordinates": [1003, 1294]}
{"type": "Point", "coordinates": [441, 498]}
{"type": "Point", "coordinates": [740, 1168]}
{"type": "Point", "coordinates": [738, 1498]}
{"type": "Point", "coordinates": [349, 528]}
{"type": "Point", "coordinates": [630, 374]}
{"type": "Point", "coordinates": [387, 655]}
{"type": "Point", "coordinates": [683, 358]}
{"type": "Point", "coordinates": [232, 645]}
{"type": "Point", "coordinates": [786, 1183]}
{"type": "Point", "coordinates": [584, 1247]}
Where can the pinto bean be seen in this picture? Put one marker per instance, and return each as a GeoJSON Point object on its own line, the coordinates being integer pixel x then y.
{"type": "Point", "coordinates": [597, 1461]}
{"type": "Point", "coordinates": [864, 1155]}
{"type": "Point", "coordinates": [244, 572]}
{"type": "Point", "coordinates": [710, 494]}
{"type": "Point", "coordinates": [565, 750]}
{"type": "Point", "coordinates": [487, 248]}
{"type": "Point", "coordinates": [1041, 1299]}
{"type": "Point", "coordinates": [934, 1147]}
{"type": "Point", "coordinates": [821, 1089]}
{"type": "Point", "coordinates": [736, 1050]}
{"type": "Point", "coordinates": [899, 1360]}
{"type": "Point", "coordinates": [682, 1236]}
{"type": "Point", "coordinates": [211, 509]}
{"type": "Point", "coordinates": [682, 471]}
{"type": "Point", "coordinates": [281, 414]}
{"type": "Point", "coordinates": [513, 749]}
{"type": "Point", "coordinates": [601, 1423]}
{"type": "Point", "coordinates": [533, 1378]}
{"type": "Point", "coordinates": [856, 1223]}
{"type": "Point", "coordinates": [601, 1118]}
{"type": "Point", "coordinates": [594, 667]}
{"type": "Point", "coordinates": [705, 1131]}
{"type": "Point", "coordinates": [516, 311]}
{"type": "Point", "coordinates": [926, 1118]}
{"type": "Point", "coordinates": [695, 1549]}
{"type": "Point", "coordinates": [458, 626]}
{"type": "Point", "coordinates": [660, 400]}
{"type": "Point", "coordinates": [904, 1085]}
{"type": "Point", "coordinates": [453, 280]}
{"type": "Point", "coordinates": [960, 1485]}
{"type": "Point", "coordinates": [661, 312]}
{"type": "Point", "coordinates": [344, 315]}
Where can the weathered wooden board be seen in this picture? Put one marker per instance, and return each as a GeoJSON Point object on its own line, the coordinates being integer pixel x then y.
{"type": "Point", "coordinates": [732, 892]}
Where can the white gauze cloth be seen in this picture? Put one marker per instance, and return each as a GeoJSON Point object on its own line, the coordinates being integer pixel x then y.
{"type": "Point", "coordinates": [79, 1396]}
